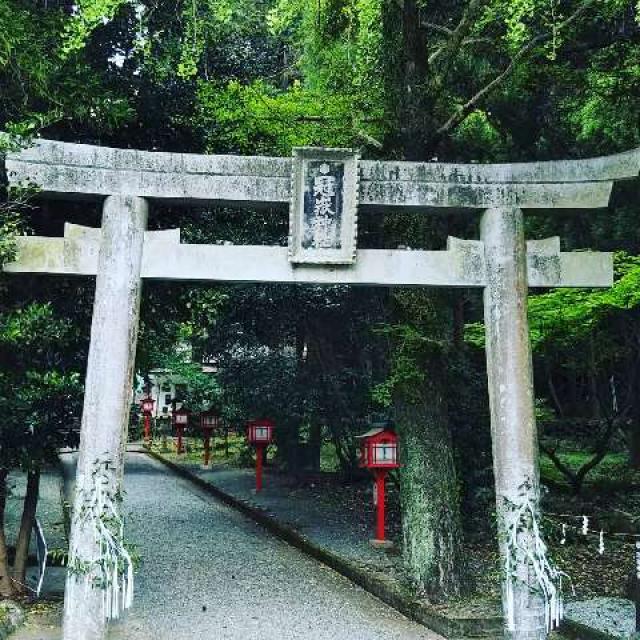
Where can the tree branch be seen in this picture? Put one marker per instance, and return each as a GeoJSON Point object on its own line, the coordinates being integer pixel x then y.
{"type": "Point", "coordinates": [564, 469]}
{"type": "Point", "coordinates": [601, 449]}
{"type": "Point", "coordinates": [456, 37]}
{"type": "Point", "coordinates": [554, 393]}
{"type": "Point", "coordinates": [470, 105]}
{"type": "Point", "coordinates": [437, 27]}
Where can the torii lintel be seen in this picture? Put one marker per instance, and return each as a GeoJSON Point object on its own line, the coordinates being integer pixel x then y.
{"type": "Point", "coordinates": [78, 170]}
{"type": "Point", "coordinates": [165, 258]}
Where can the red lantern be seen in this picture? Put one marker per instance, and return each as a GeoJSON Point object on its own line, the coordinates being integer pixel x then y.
{"type": "Point", "coordinates": [379, 449]}
{"type": "Point", "coordinates": [260, 434]}
{"type": "Point", "coordinates": [209, 421]}
{"type": "Point", "coordinates": [379, 453]}
{"type": "Point", "coordinates": [146, 404]}
{"type": "Point", "coordinates": [180, 420]}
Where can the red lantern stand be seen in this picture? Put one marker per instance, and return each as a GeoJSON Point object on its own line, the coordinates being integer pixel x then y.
{"type": "Point", "coordinates": [209, 422]}
{"type": "Point", "coordinates": [260, 434]}
{"type": "Point", "coordinates": [379, 453]}
{"type": "Point", "coordinates": [146, 404]}
{"type": "Point", "coordinates": [180, 420]}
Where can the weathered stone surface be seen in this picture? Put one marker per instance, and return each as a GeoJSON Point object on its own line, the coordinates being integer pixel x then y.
{"type": "Point", "coordinates": [408, 193]}
{"type": "Point", "coordinates": [547, 266]}
{"type": "Point", "coordinates": [511, 400]}
{"type": "Point", "coordinates": [107, 397]}
{"type": "Point", "coordinates": [271, 264]}
{"type": "Point", "coordinates": [462, 265]}
{"type": "Point", "coordinates": [85, 170]}
{"type": "Point", "coordinates": [606, 168]}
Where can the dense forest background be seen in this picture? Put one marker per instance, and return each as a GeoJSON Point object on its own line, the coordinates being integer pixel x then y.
{"type": "Point", "coordinates": [467, 81]}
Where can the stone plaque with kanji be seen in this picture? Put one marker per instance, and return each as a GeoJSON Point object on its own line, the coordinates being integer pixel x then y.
{"type": "Point", "coordinates": [324, 206]}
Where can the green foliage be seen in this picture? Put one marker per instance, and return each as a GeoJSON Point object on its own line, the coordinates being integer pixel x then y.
{"type": "Point", "coordinates": [257, 118]}
{"type": "Point", "coordinates": [406, 373]}
{"type": "Point", "coordinates": [565, 317]}
{"type": "Point", "coordinates": [10, 227]}
{"type": "Point", "coordinates": [89, 15]}
{"type": "Point", "coordinates": [38, 393]}
{"type": "Point", "coordinates": [415, 346]}
{"type": "Point", "coordinates": [602, 116]}
{"type": "Point", "coordinates": [614, 470]}
{"type": "Point", "coordinates": [341, 49]}
{"type": "Point", "coordinates": [201, 390]}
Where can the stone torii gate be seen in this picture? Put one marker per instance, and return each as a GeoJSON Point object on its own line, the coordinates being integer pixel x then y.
{"type": "Point", "coordinates": [326, 190]}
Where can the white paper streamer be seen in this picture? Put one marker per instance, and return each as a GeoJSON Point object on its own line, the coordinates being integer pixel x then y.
{"type": "Point", "coordinates": [524, 516]}
{"type": "Point", "coordinates": [113, 569]}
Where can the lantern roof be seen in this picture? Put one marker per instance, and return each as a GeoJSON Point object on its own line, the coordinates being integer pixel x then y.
{"type": "Point", "coordinates": [265, 421]}
{"type": "Point", "coordinates": [377, 433]}
{"type": "Point", "coordinates": [372, 432]}
{"type": "Point", "coordinates": [181, 410]}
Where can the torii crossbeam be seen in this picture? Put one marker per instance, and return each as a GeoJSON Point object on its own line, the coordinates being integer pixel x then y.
{"type": "Point", "coordinates": [122, 253]}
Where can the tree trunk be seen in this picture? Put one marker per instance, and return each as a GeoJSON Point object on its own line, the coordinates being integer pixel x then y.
{"type": "Point", "coordinates": [414, 105]}
{"type": "Point", "coordinates": [314, 446]}
{"type": "Point", "coordinates": [634, 445]}
{"type": "Point", "coordinates": [596, 409]}
{"type": "Point", "coordinates": [634, 439]}
{"type": "Point", "coordinates": [6, 584]}
{"type": "Point", "coordinates": [429, 495]}
{"type": "Point", "coordinates": [26, 526]}
{"type": "Point", "coordinates": [406, 75]}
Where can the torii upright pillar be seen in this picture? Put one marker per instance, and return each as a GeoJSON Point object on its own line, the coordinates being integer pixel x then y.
{"type": "Point", "coordinates": [513, 425]}
{"type": "Point", "coordinates": [107, 400]}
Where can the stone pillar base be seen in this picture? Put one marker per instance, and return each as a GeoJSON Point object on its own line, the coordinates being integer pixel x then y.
{"type": "Point", "coordinates": [381, 544]}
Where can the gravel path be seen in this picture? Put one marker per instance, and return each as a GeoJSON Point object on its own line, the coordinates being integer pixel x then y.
{"type": "Point", "coordinates": [208, 572]}
{"type": "Point", "coordinates": [613, 616]}
{"type": "Point", "coordinates": [315, 514]}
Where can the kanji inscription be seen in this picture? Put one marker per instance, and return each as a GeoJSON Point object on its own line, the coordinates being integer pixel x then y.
{"type": "Point", "coordinates": [324, 206]}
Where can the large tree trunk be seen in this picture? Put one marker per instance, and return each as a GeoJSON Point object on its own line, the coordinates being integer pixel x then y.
{"type": "Point", "coordinates": [26, 526]}
{"type": "Point", "coordinates": [406, 73]}
{"type": "Point", "coordinates": [314, 446]}
{"type": "Point", "coordinates": [634, 445]}
{"type": "Point", "coordinates": [6, 584]}
{"type": "Point", "coordinates": [429, 492]}
{"type": "Point", "coordinates": [634, 439]}
{"type": "Point", "coordinates": [429, 495]}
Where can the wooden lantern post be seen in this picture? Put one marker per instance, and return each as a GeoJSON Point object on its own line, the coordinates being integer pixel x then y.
{"type": "Point", "coordinates": [209, 422]}
{"type": "Point", "coordinates": [146, 405]}
{"type": "Point", "coordinates": [260, 434]}
{"type": "Point", "coordinates": [379, 454]}
{"type": "Point", "coordinates": [180, 419]}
